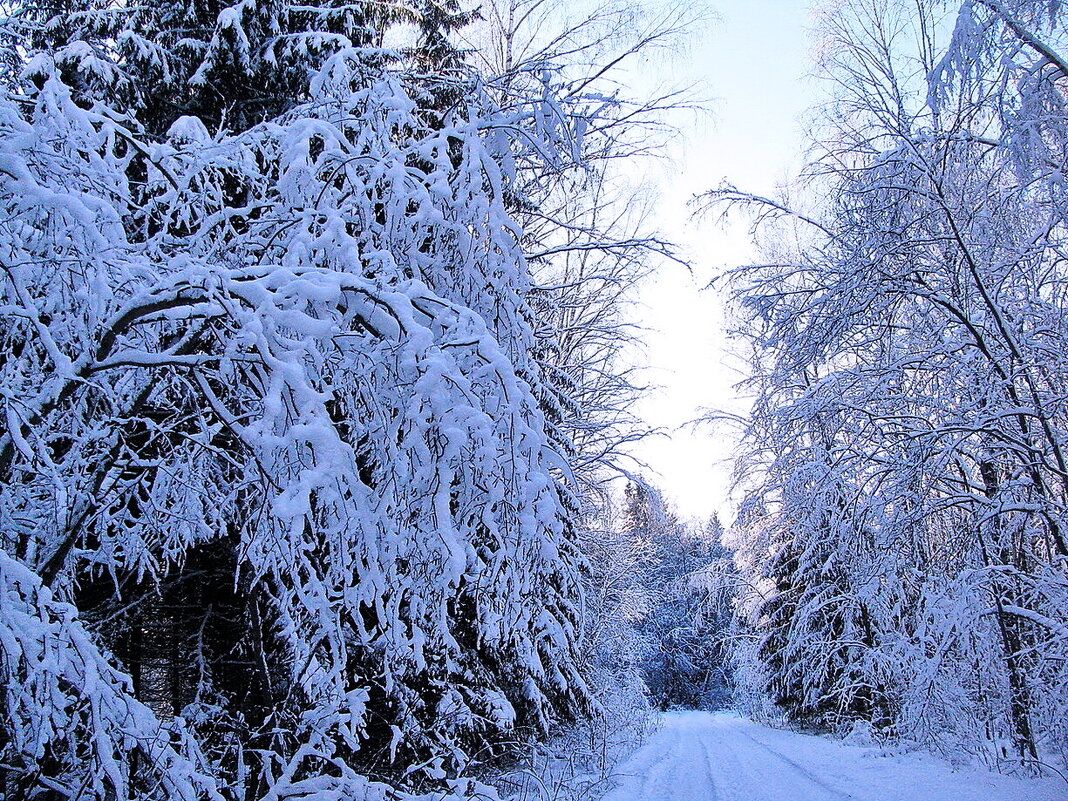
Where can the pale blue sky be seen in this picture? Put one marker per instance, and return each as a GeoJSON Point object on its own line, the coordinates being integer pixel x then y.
{"type": "Point", "coordinates": [753, 61]}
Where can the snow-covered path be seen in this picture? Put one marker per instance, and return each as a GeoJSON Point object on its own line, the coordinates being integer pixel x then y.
{"type": "Point", "coordinates": [700, 756]}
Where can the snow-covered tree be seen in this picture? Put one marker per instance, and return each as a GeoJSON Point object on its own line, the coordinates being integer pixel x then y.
{"type": "Point", "coordinates": [277, 489]}
{"type": "Point", "coordinates": [663, 602]}
{"type": "Point", "coordinates": [907, 440]}
{"type": "Point", "coordinates": [585, 222]}
{"type": "Point", "coordinates": [231, 65]}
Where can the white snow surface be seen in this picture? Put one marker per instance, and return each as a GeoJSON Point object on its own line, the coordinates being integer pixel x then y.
{"type": "Point", "coordinates": [703, 756]}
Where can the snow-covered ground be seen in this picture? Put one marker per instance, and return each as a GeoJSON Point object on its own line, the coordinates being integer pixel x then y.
{"type": "Point", "coordinates": [700, 756]}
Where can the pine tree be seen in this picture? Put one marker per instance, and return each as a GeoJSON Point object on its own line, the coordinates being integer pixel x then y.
{"type": "Point", "coordinates": [229, 64]}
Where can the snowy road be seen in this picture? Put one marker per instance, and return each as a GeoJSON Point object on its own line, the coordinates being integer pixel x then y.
{"type": "Point", "coordinates": [700, 756]}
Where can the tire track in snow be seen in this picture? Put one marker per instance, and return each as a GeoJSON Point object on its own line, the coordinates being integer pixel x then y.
{"type": "Point", "coordinates": [673, 766]}
{"type": "Point", "coordinates": [701, 756]}
{"type": "Point", "coordinates": [745, 772]}
{"type": "Point", "coordinates": [800, 771]}
{"type": "Point", "coordinates": [710, 770]}
{"type": "Point", "coordinates": [711, 787]}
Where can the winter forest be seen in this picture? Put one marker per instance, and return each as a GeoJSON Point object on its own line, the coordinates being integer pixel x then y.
{"type": "Point", "coordinates": [318, 400]}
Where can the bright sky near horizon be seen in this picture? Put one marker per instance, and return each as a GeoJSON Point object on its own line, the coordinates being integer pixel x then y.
{"type": "Point", "coordinates": [754, 62]}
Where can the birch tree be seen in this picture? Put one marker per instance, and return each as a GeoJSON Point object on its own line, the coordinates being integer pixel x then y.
{"type": "Point", "coordinates": [908, 428]}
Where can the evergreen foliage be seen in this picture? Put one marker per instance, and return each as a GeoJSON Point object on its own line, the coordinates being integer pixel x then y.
{"type": "Point", "coordinates": [684, 615]}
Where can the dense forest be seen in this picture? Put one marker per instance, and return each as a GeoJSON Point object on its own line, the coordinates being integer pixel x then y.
{"type": "Point", "coordinates": [316, 398]}
{"type": "Point", "coordinates": [903, 529]}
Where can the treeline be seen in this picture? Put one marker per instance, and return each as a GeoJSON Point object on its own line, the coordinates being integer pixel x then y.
{"type": "Point", "coordinates": [904, 528]}
{"type": "Point", "coordinates": [664, 597]}
{"type": "Point", "coordinates": [309, 371]}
